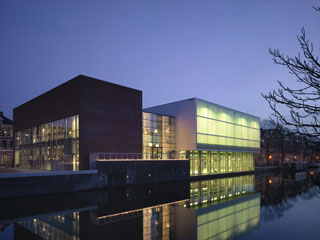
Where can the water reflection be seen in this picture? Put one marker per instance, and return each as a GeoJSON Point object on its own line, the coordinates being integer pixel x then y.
{"type": "Point", "coordinates": [279, 193]}
{"type": "Point", "coordinates": [228, 208]}
{"type": "Point", "coordinates": [63, 226]}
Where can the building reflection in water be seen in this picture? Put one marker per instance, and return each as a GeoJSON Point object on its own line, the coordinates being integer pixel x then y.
{"type": "Point", "coordinates": [63, 226]}
{"type": "Point", "coordinates": [215, 209]}
{"type": "Point", "coordinates": [219, 209]}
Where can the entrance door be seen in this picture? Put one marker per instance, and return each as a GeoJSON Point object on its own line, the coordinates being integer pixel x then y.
{"type": "Point", "coordinates": [156, 152]}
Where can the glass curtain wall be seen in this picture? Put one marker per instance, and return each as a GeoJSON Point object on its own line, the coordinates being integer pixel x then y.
{"type": "Point", "coordinates": [50, 146]}
{"type": "Point", "coordinates": [158, 136]}
{"type": "Point", "coordinates": [226, 129]}
{"type": "Point", "coordinates": [214, 162]}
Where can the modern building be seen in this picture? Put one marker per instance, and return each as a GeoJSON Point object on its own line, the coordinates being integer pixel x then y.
{"type": "Point", "coordinates": [216, 139]}
{"type": "Point", "coordinates": [6, 141]}
{"type": "Point", "coordinates": [60, 128]}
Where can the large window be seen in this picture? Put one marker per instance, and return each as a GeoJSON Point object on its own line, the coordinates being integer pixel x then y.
{"type": "Point", "coordinates": [50, 146]}
{"type": "Point", "coordinates": [158, 136]}
{"type": "Point", "coordinates": [213, 162]}
{"type": "Point", "coordinates": [221, 128]}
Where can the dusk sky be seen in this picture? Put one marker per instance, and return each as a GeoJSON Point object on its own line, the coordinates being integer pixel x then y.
{"type": "Point", "coordinates": [171, 50]}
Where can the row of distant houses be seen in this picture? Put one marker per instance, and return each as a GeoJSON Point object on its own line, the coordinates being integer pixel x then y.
{"type": "Point", "coordinates": [279, 145]}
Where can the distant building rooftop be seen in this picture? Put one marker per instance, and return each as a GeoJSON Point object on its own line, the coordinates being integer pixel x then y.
{"type": "Point", "coordinates": [5, 120]}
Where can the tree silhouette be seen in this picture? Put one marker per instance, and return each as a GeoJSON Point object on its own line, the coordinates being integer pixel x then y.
{"type": "Point", "coordinates": [302, 103]}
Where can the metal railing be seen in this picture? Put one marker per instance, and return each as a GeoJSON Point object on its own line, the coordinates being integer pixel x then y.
{"type": "Point", "coordinates": [51, 165]}
{"type": "Point", "coordinates": [102, 156]}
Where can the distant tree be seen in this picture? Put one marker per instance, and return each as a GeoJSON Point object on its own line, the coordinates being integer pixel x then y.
{"type": "Point", "coordinates": [268, 129]}
{"type": "Point", "coordinates": [302, 103]}
{"type": "Point", "coordinates": [282, 141]}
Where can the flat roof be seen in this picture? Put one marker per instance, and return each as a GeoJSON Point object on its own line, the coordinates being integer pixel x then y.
{"type": "Point", "coordinates": [199, 99]}
{"type": "Point", "coordinates": [146, 111]}
{"type": "Point", "coordinates": [80, 76]}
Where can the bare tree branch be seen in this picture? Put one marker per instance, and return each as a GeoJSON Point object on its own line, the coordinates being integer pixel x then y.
{"type": "Point", "coordinates": [303, 104]}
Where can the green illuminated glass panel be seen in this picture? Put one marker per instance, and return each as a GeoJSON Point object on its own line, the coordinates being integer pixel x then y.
{"type": "Point", "coordinates": [222, 128]}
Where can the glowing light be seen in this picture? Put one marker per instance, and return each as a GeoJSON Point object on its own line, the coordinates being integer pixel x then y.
{"type": "Point", "coordinates": [270, 157]}
{"type": "Point", "coordinates": [270, 181]}
{"type": "Point", "coordinates": [156, 131]}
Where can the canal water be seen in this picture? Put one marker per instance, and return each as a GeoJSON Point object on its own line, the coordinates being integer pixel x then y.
{"type": "Point", "coordinates": [270, 206]}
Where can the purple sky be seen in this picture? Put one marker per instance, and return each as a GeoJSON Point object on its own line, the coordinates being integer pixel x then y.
{"type": "Point", "coordinates": [214, 50]}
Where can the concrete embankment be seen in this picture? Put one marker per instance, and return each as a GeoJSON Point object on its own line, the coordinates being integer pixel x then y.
{"type": "Point", "coordinates": [122, 173]}
{"type": "Point", "coordinates": [108, 174]}
{"type": "Point", "coordinates": [111, 173]}
{"type": "Point", "coordinates": [39, 183]}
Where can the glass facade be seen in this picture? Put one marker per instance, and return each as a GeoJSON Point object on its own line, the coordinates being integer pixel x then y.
{"type": "Point", "coordinates": [158, 136]}
{"type": "Point", "coordinates": [214, 162]}
{"type": "Point", "coordinates": [50, 146]}
{"type": "Point", "coordinates": [222, 128]}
